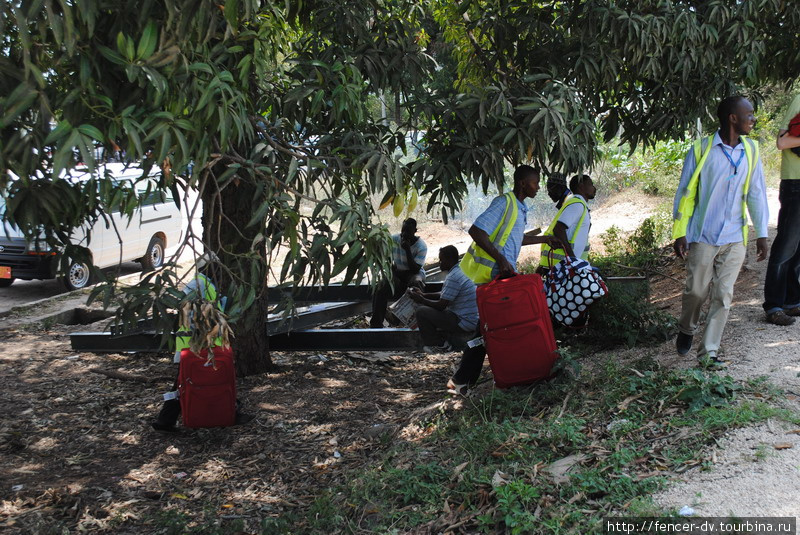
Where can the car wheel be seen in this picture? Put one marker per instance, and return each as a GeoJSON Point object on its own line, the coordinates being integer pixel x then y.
{"type": "Point", "coordinates": [154, 256]}
{"type": "Point", "coordinates": [79, 275]}
{"type": "Point", "coordinates": [5, 283]}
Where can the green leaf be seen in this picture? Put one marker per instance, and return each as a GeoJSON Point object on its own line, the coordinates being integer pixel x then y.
{"type": "Point", "coordinates": [529, 107]}
{"type": "Point", "coordinates": [121, 45]}
{"type": "Point", "coordinates": [232, 13]}
{"type": "Point", "coordinates": [92, 132]}
{"type": "Point", "coordinates": [148, 41]}
{"type": "Point", "coordinates": [17, 103]}
{"type": "Point", "coordinates": [347, 258]}
{"type": "Point", "coordinates": [63, 155]}
{"type": "Point", "coordinates": [57, 134]}
{"type": "Point", "coordinates": [292, 169]}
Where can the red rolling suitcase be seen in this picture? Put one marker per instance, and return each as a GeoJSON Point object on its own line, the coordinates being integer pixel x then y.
{"type": "Point", "coordinates": [517, 330]}
{"type": "Point", "coordinates": [207, 392]}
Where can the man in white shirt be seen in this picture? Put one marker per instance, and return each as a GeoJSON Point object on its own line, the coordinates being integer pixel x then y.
{"type": "Point", "coordinates": [571, 224]}
{"type": "Point", "coordinates": [408, 257]}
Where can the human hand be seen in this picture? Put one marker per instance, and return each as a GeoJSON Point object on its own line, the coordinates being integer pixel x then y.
{"type": "Point", "coordinates": [505, 268]}
{"type": "Point", "coordinates": [762, 248]}
{"type": "Point", "coordinates": [680, 247]}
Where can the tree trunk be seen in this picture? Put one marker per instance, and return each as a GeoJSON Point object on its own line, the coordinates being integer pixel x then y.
{"type": "Point", "coordinates": [225, 216]}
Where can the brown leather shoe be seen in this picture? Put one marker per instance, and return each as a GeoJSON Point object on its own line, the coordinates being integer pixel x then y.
{"type": "Point", "coordinates": [794, 311]}
{"type": "Point", "coordinates": [779, 317]}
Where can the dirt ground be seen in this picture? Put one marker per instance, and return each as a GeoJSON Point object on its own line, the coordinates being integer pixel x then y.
{"type": "Point", "coordinates": [78, 452]}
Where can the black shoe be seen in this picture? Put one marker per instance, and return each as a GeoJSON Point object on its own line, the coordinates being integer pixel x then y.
{"type": "Point", "coordinates": [166, 428]}
{"type": "Point", "coordinates": [683, 343]}
{"type": "Point", "coordinates": [242, 418]}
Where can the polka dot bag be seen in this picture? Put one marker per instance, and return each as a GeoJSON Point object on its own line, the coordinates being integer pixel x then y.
{"type": "Point", "coordinates": [571, 286]}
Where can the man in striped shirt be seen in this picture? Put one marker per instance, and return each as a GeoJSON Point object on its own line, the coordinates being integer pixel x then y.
{"type": "Point", "coordinates": [452, 311]}
{"type": "Point", "coordinates": [526, 186]}
{"type": "Point", "coordinates": [710, 207]}
{"type": "Point", "coordinates": [408, 257]}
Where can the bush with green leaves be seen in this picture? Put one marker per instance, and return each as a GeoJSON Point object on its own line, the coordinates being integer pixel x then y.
{"type": "Point", "coordinates": [655, 170]}
{"type": "Point", "coordinates": [625, 317]}
{"type": "Point", "coordinates": [639, 249]}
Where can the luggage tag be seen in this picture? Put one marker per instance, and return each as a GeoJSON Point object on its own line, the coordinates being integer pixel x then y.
{"type": "Point", "coordinates": [170, 395]}
{"type": "Point", "coordinates": [475, 342]}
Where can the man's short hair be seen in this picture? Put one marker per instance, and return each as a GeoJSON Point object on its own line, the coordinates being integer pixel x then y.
{"type": "Point", "coordinates": [411, 222]}
{"type": "Point", "coordinates": [449, 251]}
{"type": "Point", "coordinates": [577, 180]}
{"type": "Point", "coordinates": [524, 171]}
{"type": "Point", "coordinates": [726, 108]}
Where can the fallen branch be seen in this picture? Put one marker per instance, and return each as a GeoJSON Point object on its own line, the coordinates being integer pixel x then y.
{"type": "Point", "coordinates": [648, 270]}
{"type": "Point", "coordinates": [125, 376]}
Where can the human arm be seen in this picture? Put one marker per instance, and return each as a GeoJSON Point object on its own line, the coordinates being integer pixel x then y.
{"type": "Point", "coordinates": [560, 232]}
{"type": "Point", "coordinates": [552, 241]}
{"type": "Point", "coordinates": [412, 257]}
{"type": "Point", "coordinates": [680, 246]}
{"type": "Point", "coordinates": [481, 239]}
{"type": "Point", "coordinates": [757, 204]}
{"type": "Point", "coordinates": [762, 248]}
{"type": "Point", "coordinates": [786, 141]}
{"type": "Point", "coordinates": [427, 295]}
{"type": "Point", "coordinates": [759, 210]}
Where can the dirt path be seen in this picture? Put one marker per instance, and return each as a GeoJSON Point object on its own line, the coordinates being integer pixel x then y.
{"type": "Point", "coordinates": [755, 471]}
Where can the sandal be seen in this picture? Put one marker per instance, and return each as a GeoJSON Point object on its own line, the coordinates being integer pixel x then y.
{"type": "Point", "coordinates": [456, 389]}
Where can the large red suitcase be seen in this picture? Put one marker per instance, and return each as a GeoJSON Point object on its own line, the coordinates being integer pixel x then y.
{"type": "Point", "coordinates": [517, 330]}
{"type": "Point", "coordinates": [207, 392]}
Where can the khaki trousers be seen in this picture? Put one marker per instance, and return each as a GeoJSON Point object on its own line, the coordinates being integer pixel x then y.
{"type": "Point", "coordinates": [711, 270]}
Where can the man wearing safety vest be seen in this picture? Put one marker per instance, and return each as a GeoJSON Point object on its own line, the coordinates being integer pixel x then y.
{"type": "Point", "coordinates": [498, 234]}
{"type": "Point", "coordinates": [781, 286]}
{"type": "Point", "coordinates": [557, 188]}
{"type": "Point", "coordinates": [202, 286]}
{"type": "Point", "coordinates": [722, 179]}
{"type": "Point", "coordinates": [571, 224]}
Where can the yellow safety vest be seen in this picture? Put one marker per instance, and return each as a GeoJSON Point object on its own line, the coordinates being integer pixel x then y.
{"type": "Point", "coordinates": [559, 254]}
{"type": "Point", "coordinates": [208, 291]}
{"type": "Point", "coordinates": [477, 264]}
{"type": "Point", "coordinates": [688, 201]}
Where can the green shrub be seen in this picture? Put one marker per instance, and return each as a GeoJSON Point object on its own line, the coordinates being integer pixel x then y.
{"type": "Point", "coordinates": [626, 317]}
{"type": "Point", "coordinates": [655, 170]}
{"type": "Point", "coordinates": [641, 248]}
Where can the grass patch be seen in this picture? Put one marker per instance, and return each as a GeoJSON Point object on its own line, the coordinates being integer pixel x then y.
{"type": "Point", "coordinates": [494, 466]}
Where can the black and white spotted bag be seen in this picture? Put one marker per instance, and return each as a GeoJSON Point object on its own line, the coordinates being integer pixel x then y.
{"type": "Point", "coordinates": [571, 286]}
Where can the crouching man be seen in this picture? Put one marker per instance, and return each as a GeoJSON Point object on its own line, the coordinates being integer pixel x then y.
{"type": "Point", "coordinates": [453, 311]}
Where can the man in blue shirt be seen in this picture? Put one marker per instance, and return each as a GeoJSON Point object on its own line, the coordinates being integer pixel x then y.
{"type": "Point", "coordinates": [710, 206]}
{"type": "Point", "coordinates": [526, 186]}
{"type": "Point", "coordinates": [452, 311]}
